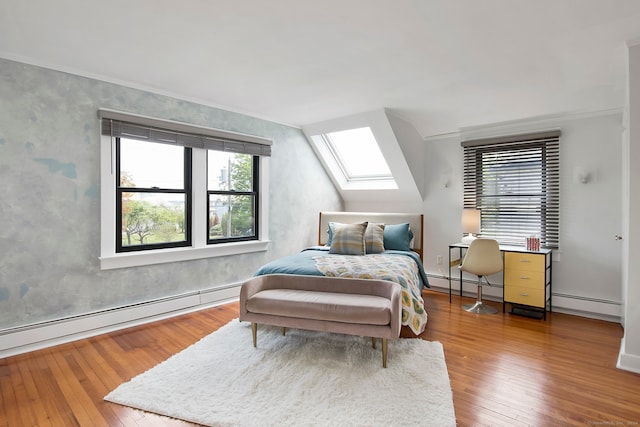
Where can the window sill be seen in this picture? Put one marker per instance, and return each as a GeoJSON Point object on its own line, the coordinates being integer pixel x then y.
{"type": "Point", "coordinates": [135, 259]}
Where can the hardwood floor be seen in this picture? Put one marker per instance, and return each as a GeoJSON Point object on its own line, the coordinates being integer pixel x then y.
{"type": "Point", "coordinates": [505, 370]}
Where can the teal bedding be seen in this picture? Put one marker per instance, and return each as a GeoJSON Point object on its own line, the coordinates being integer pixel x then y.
{"type": "Point", "coordinates": [304, 263]}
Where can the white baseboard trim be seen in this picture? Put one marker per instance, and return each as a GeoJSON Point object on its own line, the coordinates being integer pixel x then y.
{"type": "Point", "coordinates": [24, 339]}
{"type": "Point", "coordinates": [586, 307]}
{"type": "Point", "coordinates": [568, 304]}
{"type": "Point", "coordinates": [626, 361]}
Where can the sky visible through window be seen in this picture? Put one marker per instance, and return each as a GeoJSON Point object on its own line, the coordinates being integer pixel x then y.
{"type": "Point", "coordinates": [150, 164]}
{"type": "Point", "coordinates": [358, 151]}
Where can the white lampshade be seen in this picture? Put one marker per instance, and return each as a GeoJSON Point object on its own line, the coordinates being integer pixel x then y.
{"type": "Point", "coordinates": [470, 221]}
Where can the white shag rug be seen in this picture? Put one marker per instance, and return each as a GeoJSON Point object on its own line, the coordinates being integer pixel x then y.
{"type": "Point", "coordinates": [302, 379]}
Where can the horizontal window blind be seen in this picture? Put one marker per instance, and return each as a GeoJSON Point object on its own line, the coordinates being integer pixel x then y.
{"type": "Point", "coordinates": [126, 125]}
{"type": "Point", "coordinates": [515, 182]}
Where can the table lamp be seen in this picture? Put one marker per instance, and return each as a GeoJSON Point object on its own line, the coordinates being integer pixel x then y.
{"type": "Point", "coordinates": [470, 224]}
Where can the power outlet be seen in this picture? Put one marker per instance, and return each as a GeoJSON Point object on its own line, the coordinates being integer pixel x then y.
{"type": "Point", "coordinates": [439, 260]}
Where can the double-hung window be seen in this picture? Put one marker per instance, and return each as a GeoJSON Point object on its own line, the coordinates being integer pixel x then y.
{"type": "Point", "coordinates": [232, 196]}
{"type": "Point", "coordinates": [153, 195]}
{"type": "Point", "coordinates": [174, 191]}
{"type": "Point", "coordinates": [515, 183]}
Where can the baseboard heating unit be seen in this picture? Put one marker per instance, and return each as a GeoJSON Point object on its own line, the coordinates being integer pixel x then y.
{"type": "Point", "coordinates": [36, 336]}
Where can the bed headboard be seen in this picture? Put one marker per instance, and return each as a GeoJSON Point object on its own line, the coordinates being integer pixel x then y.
{"type": "Point", "coordinates": [415, 221]}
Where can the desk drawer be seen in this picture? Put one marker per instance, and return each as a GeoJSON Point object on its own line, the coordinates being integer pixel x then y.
{"type": "Point", "coordinates": [524, 261]}
{"type": "Point", "coordinates": [524, 278]}
{"type": "Point", "coordinates": [524, 295]}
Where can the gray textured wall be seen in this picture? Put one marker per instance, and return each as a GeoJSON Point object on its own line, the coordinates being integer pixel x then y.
{"type": "Point", "coordinates": [50, 197]}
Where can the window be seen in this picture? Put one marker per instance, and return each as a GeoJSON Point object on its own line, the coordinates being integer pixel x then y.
{"type": "Point", "coordinates": [514, 181]}
{"type": "Point", "coordinates": [355, 159]}
{"type": "Point", "coordinates": [173, 191]}
{"type": "Point", "coordinates": [153, 195]}
{"type": "Point", "coordinates": [232, 196]}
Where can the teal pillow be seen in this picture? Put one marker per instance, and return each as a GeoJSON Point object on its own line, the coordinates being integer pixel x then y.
{"type": "Point", "coordinates": [330, 233]}
{"type": "Point", "coordinates": [398, 237]}
{"type": "Point", "coordinates": [347, 239]}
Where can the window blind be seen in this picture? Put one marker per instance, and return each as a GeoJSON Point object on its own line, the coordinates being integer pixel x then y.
{"type": "Point", "coordinates": [515, 182]}
{"type": "Point", "coordinates": [126, 125]}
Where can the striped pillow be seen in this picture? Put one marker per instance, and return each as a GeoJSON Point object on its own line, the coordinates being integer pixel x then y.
{"type": "Point", "coordinates": [374, 238]}
{"type": "Point", "coordinates": [347, 239]}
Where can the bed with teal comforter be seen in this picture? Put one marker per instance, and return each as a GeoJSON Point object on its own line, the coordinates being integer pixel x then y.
{"type": "Point", "coordinates": [403, 267]}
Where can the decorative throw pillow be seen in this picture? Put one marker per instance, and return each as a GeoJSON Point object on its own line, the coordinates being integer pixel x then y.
{"type": "Point", "coordinates": [374, 238]}
{"type": "Point", "coordinates": [330, 233]}
{"type": "Point", "coordinates": [347, 239]}
{"type": "Point", "coordinates": [397, 237]}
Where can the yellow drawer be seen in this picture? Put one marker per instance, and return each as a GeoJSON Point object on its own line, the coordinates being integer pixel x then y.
{"type": "Point", "coordinates": [523, 261]}
{"type": "Point", "coordinates": [532, 279]}
{"type": "Point", "coordinates": [526, 296]}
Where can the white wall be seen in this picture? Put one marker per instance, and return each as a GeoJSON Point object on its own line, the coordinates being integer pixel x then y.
{"type": "Point", "coordinates": [587, 266]}
{"type": "Point", "coordinates": [629, 357]}
{"type": "Point", "coordinates": [412, 147]}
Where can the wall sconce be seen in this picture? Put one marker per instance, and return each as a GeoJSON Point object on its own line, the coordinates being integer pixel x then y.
{"type": "Point", "coordinates": [470, 224]}
{"type": "Point", "coordinates": [581, 175]}
{"type": "Point", "coordinates": [445, 180]}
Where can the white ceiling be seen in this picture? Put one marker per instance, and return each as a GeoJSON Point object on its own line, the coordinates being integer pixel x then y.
{"type": "Point", "coordinates": [441, 64]}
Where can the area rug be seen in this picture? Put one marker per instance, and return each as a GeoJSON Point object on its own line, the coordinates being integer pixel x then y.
{"type": "Point", "coordinates": [302, 379]}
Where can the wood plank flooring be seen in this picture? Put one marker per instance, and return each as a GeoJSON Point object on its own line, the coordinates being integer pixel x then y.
{"type": "Point", "coordinates": [505, 370]}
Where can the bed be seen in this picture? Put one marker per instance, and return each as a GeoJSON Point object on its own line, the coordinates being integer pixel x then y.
{"type": "Point", "coordinates": [380, 246]}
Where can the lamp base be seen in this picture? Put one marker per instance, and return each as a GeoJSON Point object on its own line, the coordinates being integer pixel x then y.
{"type": "Point", "coordinates": [468, 239]}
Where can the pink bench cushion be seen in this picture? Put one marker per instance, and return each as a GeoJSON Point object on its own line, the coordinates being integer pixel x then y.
{"type": "Point", "coordinates": [348, 308]}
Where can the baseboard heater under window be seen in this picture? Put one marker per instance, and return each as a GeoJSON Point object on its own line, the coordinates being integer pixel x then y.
{"type": "Point", "coordinates": [22, 339]}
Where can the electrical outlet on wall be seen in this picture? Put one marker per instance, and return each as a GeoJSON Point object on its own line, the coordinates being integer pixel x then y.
{"type": "Point", "coordinates": [439, 260]}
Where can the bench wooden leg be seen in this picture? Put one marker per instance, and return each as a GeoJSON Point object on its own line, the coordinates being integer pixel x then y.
{"type": "Point", "coordinates": [284, 331]}
{"type": "Point", "coordinates": [373, 342]}
{"type": "Point", "coordinates": [384, 352]}
{"type": "Point", "coordinates": [254, 333]}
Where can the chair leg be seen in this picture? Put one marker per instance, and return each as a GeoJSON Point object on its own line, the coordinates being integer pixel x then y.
{"type": "Point", "coordinates": [479, 307]}
{"type": "Point", "coordinates": [254, 333]}
{"type": "Point", "coordinates": [384, 352]}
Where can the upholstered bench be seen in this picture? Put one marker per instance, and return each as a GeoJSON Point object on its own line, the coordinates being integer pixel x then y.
{"type": "Point", "coordinates": [370, 308]}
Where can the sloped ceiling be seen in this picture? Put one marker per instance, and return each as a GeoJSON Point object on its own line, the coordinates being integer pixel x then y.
{"type": "Point", "coordinates": [389, 132]}
{"type": "Point", "coordinates": [440, 64]}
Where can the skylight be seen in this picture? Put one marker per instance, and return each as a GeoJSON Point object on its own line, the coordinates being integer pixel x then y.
{"type": "Point", "coordinates": [355, 159]}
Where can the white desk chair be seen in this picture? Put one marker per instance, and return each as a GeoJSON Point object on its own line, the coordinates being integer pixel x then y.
{"type": "Point", "coordinates": [483, 259]}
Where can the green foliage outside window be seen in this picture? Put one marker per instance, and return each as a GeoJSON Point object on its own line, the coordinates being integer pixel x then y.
{"type": "Point", "coordinates": [144, 222]}
{"type": "Point", "coordinates": [239, 217]}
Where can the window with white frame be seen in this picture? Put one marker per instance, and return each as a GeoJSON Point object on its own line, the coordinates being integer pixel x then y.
{"type": "Point", "coordinates": [232, 196]}
{"type": "Point", "coordinates": [153, 195]}
{"type": "Point", "coordinates": [515, 183]}
{"type": "Point", "coordinates": [355, 160]}
{"type": "Point", "coordinates": [171, 186]}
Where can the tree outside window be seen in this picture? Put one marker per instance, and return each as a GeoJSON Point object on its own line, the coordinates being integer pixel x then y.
{"type": "Point", "coordinates": [152, 193]}
{"type": "Point", "coordinates": [232, 196]}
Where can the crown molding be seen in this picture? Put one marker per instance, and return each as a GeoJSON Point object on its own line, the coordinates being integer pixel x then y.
{"type": "Point", "coordinates": [131, 85]}
{"type": "Point", "coordinates": [546, 121]}
{"type": "Point", "coordinates": [633, 42]}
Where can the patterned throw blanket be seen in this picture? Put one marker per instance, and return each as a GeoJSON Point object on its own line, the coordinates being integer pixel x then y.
{"type": "Point", "coordinates": [394, 268]}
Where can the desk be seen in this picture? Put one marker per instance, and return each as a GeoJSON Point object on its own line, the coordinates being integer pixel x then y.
{"type": "Point", "coordinates": [526, 276]}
